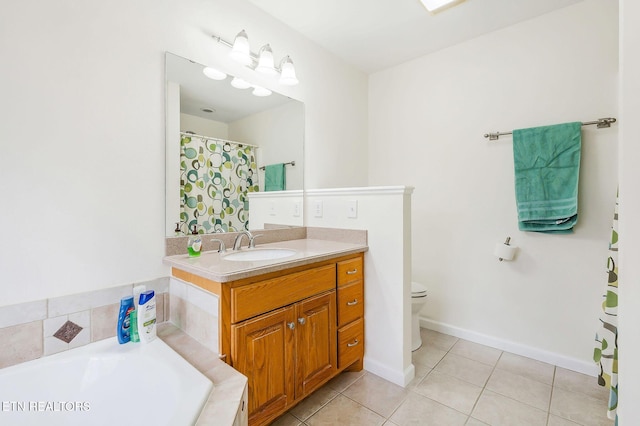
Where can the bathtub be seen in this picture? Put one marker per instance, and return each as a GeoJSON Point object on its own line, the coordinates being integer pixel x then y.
{"type": "Point", "coordinates": [104, 383]}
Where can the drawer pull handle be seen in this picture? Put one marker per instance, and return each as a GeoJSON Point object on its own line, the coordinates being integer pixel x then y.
{"type": "Point", "coordinates": [354, 271]}
{"type": "Point", "coordinates": [352, 344]}
{"type": "Point", "coordinates": [291, 325]}
{"type": "Point", "coordinates": [301, 320]}
{"type": "Point", "coordinates": [353, 302]}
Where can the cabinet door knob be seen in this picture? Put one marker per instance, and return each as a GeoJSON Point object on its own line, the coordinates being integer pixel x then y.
{"type": "Point", "coordinates": [353, 302]}
{"type": "Point", "coordinates": [301, 320]}
{"type": "Point", "coordinates": [291, 325]}
{"type": "Point", "coordinates": [353, 271]}
{"type": "Point", "coordinates": [352, 344]}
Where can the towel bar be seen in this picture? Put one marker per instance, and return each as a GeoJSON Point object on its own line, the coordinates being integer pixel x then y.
{"type": "Point", "coordinates": [600, 123]}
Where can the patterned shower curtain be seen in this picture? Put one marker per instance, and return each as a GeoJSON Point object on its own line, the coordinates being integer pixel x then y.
{"type": "Point", "coordinates": [606, 350]}
{"type": "Point", "coordinates": [215, 178]}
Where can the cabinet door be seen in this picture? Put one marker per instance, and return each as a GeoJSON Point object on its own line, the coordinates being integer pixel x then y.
{"type": "Point", "coordinates": [263, 350]}
{"type": "Point", "coordinates": [316, 342]}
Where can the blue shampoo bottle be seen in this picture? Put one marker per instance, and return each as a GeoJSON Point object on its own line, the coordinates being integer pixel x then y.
{"type": "Point", "coordinates": [124, 320]}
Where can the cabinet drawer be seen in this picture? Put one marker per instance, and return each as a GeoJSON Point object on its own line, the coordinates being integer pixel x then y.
{"type": "Point", "coordinates": [264, 296]}
{"type": "Point", "coordinates": [350, 271]}
{"type": "Point", "coordinates": [350, 343]}
{"type": "Point", "coordinates": [350, 303]}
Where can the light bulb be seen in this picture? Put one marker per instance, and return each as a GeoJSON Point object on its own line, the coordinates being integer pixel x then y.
{"type": "Point", "coordinates": [240, 51]}
{"type": "Point", "coordinates": [265, 61]}
{"type": "Point", "coordinates": [288, 73]}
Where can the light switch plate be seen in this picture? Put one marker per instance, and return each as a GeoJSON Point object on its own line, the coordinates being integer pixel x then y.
{"type": "Point", "coordinates": [296, 209]}
{"type": "Point", "coordinates": [317, 208]}
{"type": "Point", "coordinates": [352, 209]}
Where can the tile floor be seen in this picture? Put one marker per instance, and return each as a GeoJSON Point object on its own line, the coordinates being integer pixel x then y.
{"type": "Point", "coordinates": [458, 383]}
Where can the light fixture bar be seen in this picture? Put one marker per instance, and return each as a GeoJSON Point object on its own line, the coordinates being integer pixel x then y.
{"type": "Point", "coordinates": [253, 56]}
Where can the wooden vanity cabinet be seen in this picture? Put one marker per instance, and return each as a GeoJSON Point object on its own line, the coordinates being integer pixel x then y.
{"type": "Point", "coordinates": [291, 331]}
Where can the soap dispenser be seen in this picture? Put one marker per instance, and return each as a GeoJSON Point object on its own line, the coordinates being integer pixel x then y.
{"type": "Point", "coordinates": [194, 244]}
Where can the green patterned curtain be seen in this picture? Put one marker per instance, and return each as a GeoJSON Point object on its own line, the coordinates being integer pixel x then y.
{"type": "Point", "coordinates": [606, 350]}
{"type": "Point", "coordinates": [215, 178]}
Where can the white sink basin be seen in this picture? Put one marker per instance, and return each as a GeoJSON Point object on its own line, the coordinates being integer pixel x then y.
{"type": "Point", "coordinates": [252, 255]}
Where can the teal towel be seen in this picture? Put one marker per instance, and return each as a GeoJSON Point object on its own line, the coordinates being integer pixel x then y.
{"type": "Point", "coordinates": [274, 177]}
{"type": "Point", "coordinates": [547, 165]}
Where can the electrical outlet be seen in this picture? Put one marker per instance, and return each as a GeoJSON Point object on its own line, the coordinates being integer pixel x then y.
{"type": "Point", "coordinates": [352, 209]}
{"type": "Point", "coordinates": [296, 209]}
{"type": "Point", "coordinates": [272, 208]}
{"type": "Point", "coordinates": [317, 208]}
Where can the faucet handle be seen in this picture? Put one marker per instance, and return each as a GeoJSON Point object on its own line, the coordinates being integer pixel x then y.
{"type": "Point", "coordinates": [252, 240]}
{"type": "Point", "coordinates": [221, 248]}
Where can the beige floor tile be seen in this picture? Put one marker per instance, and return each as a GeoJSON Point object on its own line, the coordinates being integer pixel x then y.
{"type": "Point", "coordinates": [343, 411]}
{"type": "Point", "coordinates": [476, 352]}
{"type": "Point", "coordinates": [421, 373]}
{"type": "Point", "coordinates": [287, 420]}
{"type": "Point", "coordinates": [449, 391]}
{"type": "Point", "coordinates": [577, 382]}
{"type": "Point", "coordinates": [376, 394]}
{"type": "Point", "coordinates": [428, 356]}
{"type": "Point", "coordinates": [559, 421]}
{"type": "Point", "coordinates": [465, 369]}
{"type": "Point", "coordinates": [420, 410]}
{"type": "Point", "coordinates": [436, 339]}
{"type": "Point", "coordinates": [345, 379]}
{"type": "Point", "coordinates": [498, 410]}
{"type": "Point", "coordinates": [475, 422]}
{"type": "Point", "coordinates": [579, 408]}
{"type": "Point", "coordinates": [520, 388]}
{"type": "Point", "coordinates": [526, 367]}
{"type": "Point", "coordinates": [313, 403]}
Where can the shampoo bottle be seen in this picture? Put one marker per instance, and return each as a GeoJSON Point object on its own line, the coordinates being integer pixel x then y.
{"type": "Point", "coordinates": [194, 244]}
{"type": "Point", "coordinates": [147, 316]}
{"type": "Point", "coordinates": [124, 320]}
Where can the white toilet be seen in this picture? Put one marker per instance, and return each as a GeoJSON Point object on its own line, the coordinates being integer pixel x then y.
{"type": "Point", "coordinates": [418, 299]}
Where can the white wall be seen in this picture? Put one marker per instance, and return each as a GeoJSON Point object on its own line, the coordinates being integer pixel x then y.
{"type": "Point", "coordinates": [385, 212]}
{"type": "Point", "coordinates": [278, 132]}
{"type": "Point", "coordinates": [83, 188]}
{"type": "Point", "coordinates": [629, 290]}
{"type": "Point", "coordinates": [427, 119]}
{"type": "Point", "coordinates": [202, 126]}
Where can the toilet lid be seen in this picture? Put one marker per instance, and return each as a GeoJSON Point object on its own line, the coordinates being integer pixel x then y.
{"type": "Point", "coordinates": [418, 290]}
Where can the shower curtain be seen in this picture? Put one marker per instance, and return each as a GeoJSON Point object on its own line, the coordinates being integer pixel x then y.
{"type": "Point", "coordinates": [215, 178]}
{"type": "Point", "coordinates": [606, 350]}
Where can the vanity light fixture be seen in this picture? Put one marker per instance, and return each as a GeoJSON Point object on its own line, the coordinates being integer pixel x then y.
{"type": "Point", "coordinates": [263, 62]}
{"type": "Point", "coordinates": [240, 50]}
{"type": "Point", "coordinates": [214, 74]}
{"type": "Point", "coordinates": [288, 72]}
{"type": "Point", "coordinates": [434, 6]}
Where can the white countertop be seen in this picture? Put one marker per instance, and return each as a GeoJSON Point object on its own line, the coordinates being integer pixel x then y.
{"type": "Point", "coordinates": [212, 265]}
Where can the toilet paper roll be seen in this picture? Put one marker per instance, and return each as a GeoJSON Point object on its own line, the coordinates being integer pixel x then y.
{"type": "Point", "coordinates": [504, 251]}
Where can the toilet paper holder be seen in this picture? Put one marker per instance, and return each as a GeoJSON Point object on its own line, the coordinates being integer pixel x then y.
{"type": "Point", "coordinates": [504, 251]}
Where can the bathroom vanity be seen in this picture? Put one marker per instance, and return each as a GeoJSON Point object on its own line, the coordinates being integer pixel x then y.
{"type": "Point", "coordinates": [289, 324]}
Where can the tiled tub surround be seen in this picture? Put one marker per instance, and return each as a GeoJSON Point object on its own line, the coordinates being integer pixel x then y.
{"type": "Point", "coordinates": [28, 330]}
{"type": "Point", "coordinates": [195, 312]}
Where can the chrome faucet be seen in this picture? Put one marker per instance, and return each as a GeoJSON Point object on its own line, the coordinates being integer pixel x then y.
{"type": "Point", "coordinates": [222, 248]}
{"type": "Point", "coordinates": [252, 240]}
{"type": "Point", "coordinates": [238, 242]}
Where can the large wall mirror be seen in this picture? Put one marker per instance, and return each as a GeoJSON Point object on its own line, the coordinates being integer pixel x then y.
{"type": "Point", "coordinates": [227, 146]}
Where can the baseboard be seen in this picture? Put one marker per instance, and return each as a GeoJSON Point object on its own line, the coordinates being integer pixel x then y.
{"type": "Point", "coordinates": [513, 347]}
{"type": "Point", "coordinates": [400, 378]}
